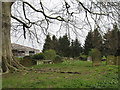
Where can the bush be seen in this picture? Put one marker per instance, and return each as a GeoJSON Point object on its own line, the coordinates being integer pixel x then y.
{"type": "Point", "coordinates": [50, 54]}
{"type": "Point", "coordinates": [58, 59]}
{"type": "Point", "coordinates": [83, 57]}
{"type": "Point", "coordinates": [38, 56]}
{"type": "Point", "coordinates": [28, 61]}
{"type": "Point", "coordinates": [27, 57]}
{"type": "Point", "coordinates": [95, 54]}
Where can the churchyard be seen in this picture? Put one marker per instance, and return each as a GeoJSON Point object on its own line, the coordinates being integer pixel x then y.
{"type": "Point", "coordinates": [59, 44]}
{"type": "Point", "coordinates": [68, 74]}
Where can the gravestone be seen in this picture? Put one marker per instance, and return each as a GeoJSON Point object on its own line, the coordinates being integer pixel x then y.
{"type": "Point", "coordinates": [89, 58]}
{"type": "Point", "coordinates": [111, 60]}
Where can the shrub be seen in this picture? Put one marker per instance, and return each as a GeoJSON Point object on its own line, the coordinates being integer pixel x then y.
{"type": "Point", "coordinates": [27, 57]}
{"type": "Point", "coordinates": [28, 61]}
{"type": "Point", "coordinates": [50, 54]}
{"type": "Point", "coordinates": [38, 56]}
{"type": "Point", "coordinates": [83, 57]}
{"type": "Point", "coordinates": [95, 54]}
{"type": "Point", "coordinates": [58, 59]}
{"type": "Point", "coordinates": [96, 57]}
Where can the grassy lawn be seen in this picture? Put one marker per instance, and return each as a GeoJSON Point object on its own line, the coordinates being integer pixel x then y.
{"type": "Point", "coordinates": [58, 76]}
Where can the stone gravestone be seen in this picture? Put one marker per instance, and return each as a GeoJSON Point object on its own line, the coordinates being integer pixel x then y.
{"type": "Point", "coordinates": [89, 58]}
{"type": "Point", "coordinates": [111, 60]}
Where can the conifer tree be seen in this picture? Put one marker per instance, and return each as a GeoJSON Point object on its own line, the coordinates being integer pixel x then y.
{"type": "Point", "coordinates": [97, 40]}
{"type": "Point", "coordinates": [54, 43]}
{"type": "Point", "coordinates": [77, 49]}
{"type": "Point", "coordinates": [48, 43]}
{"type": "Point", "coordinates": [72, 49]}
{"type": "Point", "coordinates": [64, 44]}
{"type": "Point", "coordinates": [88, 43]}
{"type": "Point", "coordinates": [111, 41]}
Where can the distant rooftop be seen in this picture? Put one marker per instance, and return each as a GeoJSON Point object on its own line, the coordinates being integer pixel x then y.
{"type": "Point", "coordinates": [22, 48]}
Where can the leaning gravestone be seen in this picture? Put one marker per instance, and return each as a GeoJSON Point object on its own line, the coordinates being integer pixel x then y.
{"type": "Point", "coordinates": [111, 60]}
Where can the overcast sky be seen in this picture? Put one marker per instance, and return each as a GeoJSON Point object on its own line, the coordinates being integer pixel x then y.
{"type": "Point", "coordinates": [53, 6]}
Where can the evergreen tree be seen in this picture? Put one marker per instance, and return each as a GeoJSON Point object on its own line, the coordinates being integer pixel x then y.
{"type": "Point", "coordinates": [97, 40]}
{"type": "Point", "coordinates": [64, 44]}
{"type": "Point", "coordinates": [76, 48]}
{"type": "Point", "coordinates": [59, 47]}
{"type": "Point", "coordinates": [88, 43]}
{"type": "Point", "coordinates": [54, 44]}
{"type": "Point", "coordinates": [72, 49]}
{"type": "Point", "coordinates": [111, 41]}
{"type": "Point", "coordinates": [48, 43]}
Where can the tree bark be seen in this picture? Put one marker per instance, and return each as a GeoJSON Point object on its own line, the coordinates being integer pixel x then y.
{"type": "Point", "coordinates": [8, 61]}
{"type": "Point", "coordinates": [0, 36]}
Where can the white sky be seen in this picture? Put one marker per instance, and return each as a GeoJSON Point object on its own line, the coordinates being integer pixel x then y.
{"type": "Point", "coordinates": [53, 5]}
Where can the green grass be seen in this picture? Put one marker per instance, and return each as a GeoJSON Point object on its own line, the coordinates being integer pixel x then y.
{"type": "Point", "coordinates": [104, 76]}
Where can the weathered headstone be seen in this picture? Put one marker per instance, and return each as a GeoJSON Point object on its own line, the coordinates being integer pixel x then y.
{"type": "Point", "coordinates": [89, 58]}
{"type": "Point", "coordinates": [111, 60]}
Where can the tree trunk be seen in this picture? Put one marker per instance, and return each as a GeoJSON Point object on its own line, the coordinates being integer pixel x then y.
{"type": "Point", "coordinates": [8, 61]}
{"type": "Point", "coordinates": [0, 36]}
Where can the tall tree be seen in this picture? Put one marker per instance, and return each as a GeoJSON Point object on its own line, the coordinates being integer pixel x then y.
{"type": "Point", "coordinates": [64, 44]}
{"type": "Point", "coordinates": [8, 61]}
{"type": "Point", "coordinates": [88, 43]}
{"type": "Point", "coordinates": [72, 49]}
{"type": "Point", "coordinates": [48, 43]}
{"type": "Point", "coordinates": [76, 48]}
{"type": "Point", "coordinates": [55, 43]}
{"type": "Point", "coordinates": [97, 40]}
{"type": "Point", "coordinates": [111, 41]}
